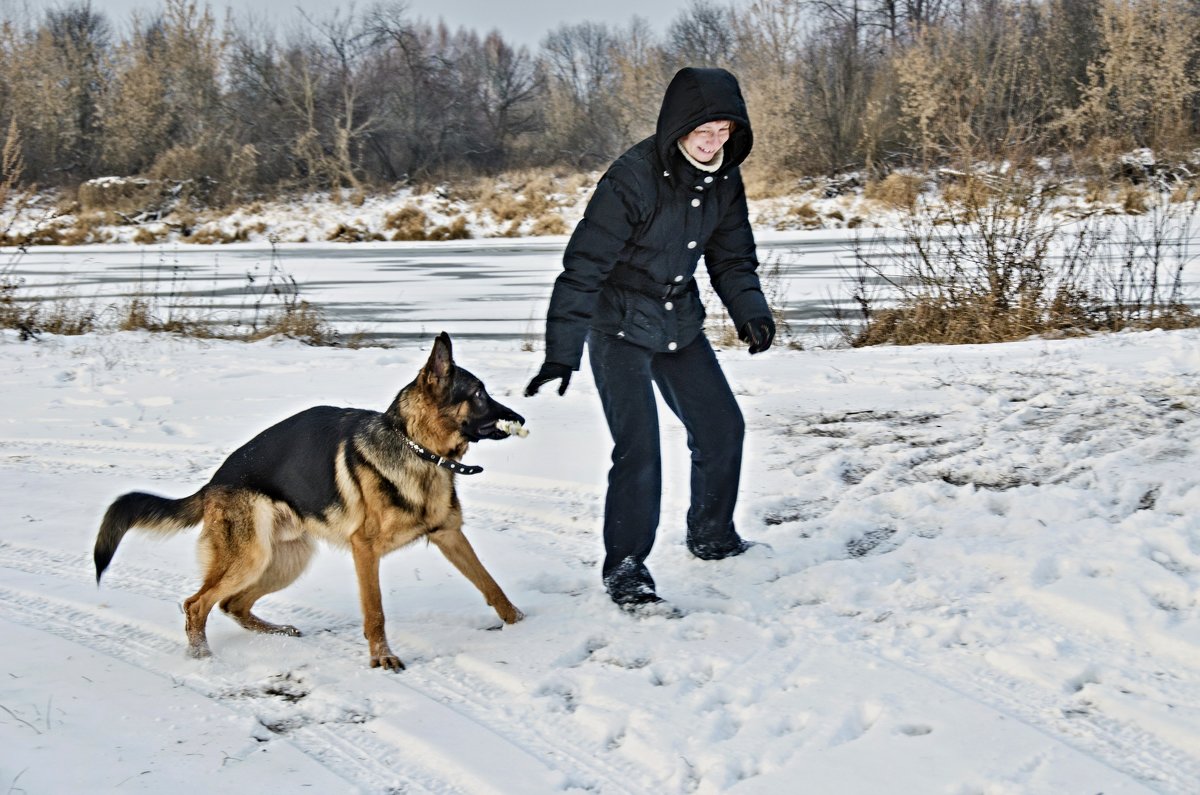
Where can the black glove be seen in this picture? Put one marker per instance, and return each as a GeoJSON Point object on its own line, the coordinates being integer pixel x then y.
{"type": "Point", "coordinates": [759, 332]}
{"type": "Point", "coordinates": [550, 371]}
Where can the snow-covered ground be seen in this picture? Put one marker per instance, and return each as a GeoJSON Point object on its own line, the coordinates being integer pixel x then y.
{"type": "Point", "coordinates": [340, 217]}
{"type": "Point", "coordinates": [985, 580]}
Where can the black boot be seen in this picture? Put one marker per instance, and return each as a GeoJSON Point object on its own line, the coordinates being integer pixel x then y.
{"type": "Point", "coordinates": [630, 584]}
{"type": "Point", "coordinates": [714, 550]}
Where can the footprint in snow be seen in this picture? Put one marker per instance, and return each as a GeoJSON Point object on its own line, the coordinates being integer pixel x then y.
{"type": "Point", "coordinates": [914, 730]}
{"type": "Point", "coordinates": [857, 723]}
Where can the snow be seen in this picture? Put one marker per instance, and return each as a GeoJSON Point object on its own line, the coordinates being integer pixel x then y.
{"type": "Point", "coordinates": [342, 216]}
{"type": "Point", "coordinates": [983, 579]}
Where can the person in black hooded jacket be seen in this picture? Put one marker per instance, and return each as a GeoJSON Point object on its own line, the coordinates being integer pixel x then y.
{"type": "Point", "coordinates": [627, 289]}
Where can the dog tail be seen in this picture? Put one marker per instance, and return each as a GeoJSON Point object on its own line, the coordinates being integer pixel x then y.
{"type": "Point", "coordinates": [144, 512]}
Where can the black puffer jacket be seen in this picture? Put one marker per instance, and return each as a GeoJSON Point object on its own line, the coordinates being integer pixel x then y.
{"type": "Point", "coordinates": [628, 268]}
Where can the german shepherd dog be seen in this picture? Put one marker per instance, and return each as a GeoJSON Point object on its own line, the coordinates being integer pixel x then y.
{"type": "Point", "coordinates": [371, 481]}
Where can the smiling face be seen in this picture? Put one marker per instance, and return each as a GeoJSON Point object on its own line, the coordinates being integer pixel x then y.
{"type": "Point", "coordinates": [703, 143]}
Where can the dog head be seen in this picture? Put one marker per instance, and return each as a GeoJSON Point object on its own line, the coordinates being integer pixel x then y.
{"type": "Point", "coordinates": [447, 401]}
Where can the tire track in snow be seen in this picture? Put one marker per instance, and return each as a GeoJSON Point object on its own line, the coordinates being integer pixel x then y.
{"type": "Point", "coordinates": [886, 444]}
{"type": "Point", "coordinates": [540, 733]}
{"type": "Point", "coordinates": [144, 648]}
{"type": "Point", "coordinates": [154, 460]}
{"type": "Point", "coordinates": [1115, 742]}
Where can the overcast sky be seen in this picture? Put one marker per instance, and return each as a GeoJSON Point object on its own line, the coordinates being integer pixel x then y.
{"type": "Point", "coordinates": [519, 21]}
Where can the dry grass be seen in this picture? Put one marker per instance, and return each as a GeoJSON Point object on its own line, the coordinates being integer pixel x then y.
{"type": "Point", "coordinates": [456, 229]}
{"type": "Point", "coordinates": [65, 314]}
{"type": "Point", "coordinates": [145, 236]}
{"type": "Point", "coordinates": [88, 228]}
{"type": "Point", "coordinates": [352, 233]}
{"type": "Point", "coordinates": [718, 326]}
{"type": "Point", "coordinates": [502, 206]}
{"type": "Point", "coordinates": [972, 189]}
{"type": "Point", "coordinates": [897, 190]}
{"type": "Point", "coordinates": [298, 320]}
{"type": "Point", "coordinates": [273, 307]}
{"type": "Point", "coordinates": [40, 236]}
{"type": "Point", "coordinates": [549, 224]}
{"type": "Point", "coordinates": [526, 200]}
{"type": "Point", "coordinates": [1133, 200]}
{"type": "Point", "coordinates": [933, 320]}
{"type": "Point", "coordinates": [206, 234]}
{"type": "Point", "coordinates": [147, 313]}
{"type": "Point", "coordinates": [407, 223]}
{"type": "Point", "coordinates": [997, 265]}
{"type": "Point", "coordinates": [765, 183]}
{"type": "Point", "coordinates": [14, 314]}
{"type": "Point", "coordinates": [125, 196]}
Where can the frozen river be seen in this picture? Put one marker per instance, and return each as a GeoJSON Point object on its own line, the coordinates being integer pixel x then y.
{"type": "Point", "coordinates": [495, 289]}
{"type": "Point", "coordinates": [389, 292]}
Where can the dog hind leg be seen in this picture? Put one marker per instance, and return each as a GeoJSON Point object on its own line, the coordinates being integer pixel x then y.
{"type": "Point", "coordinates": [289, 559]}
{"type": "Point", "coordinates": [233, 554]}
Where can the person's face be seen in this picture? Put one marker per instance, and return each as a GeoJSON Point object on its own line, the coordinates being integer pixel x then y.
{"type": "Point", "coordinates": [703, 143]}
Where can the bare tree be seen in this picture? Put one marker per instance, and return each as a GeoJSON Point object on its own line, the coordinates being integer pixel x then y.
{"type": "Point", "coordinates": [771, 37]}
{"type": "Point", "coordinates": [1142, 84]}
{"type": "Point", "coordinates": [506, 86]}
{"type": "Point", "coordinates": [702, 35]}
{"type": "Point", "coordinates": [81, 39]}
{"type": "Point", "coordinates": [429, 95]}
{"type": "Point", "coordinates": [581, 72]}
{"type": "Point", "coordinates": [165, 96]}
{"type": "Point", "coordinates": [643, 71]}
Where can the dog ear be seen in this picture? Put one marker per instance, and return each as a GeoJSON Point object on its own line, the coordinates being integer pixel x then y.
{"type": "Point", "coordinates": [440, 366]}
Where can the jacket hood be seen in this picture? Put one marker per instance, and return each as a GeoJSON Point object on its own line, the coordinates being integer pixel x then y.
{"type": "Point", "coordinates": [696, 96]}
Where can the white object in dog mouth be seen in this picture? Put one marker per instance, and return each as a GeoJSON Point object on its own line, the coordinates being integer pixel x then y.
{"type": "Point", "coordinates": [511, 428]}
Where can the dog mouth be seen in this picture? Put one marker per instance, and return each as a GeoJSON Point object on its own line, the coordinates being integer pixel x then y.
{"type": "Point", "coordinates": [481, 432]}
{"type": "Point", "coordinates": [497, 428]}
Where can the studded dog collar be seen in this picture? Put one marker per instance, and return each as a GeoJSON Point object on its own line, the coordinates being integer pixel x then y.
{"type": "Point", "coordinates": [444, 463]}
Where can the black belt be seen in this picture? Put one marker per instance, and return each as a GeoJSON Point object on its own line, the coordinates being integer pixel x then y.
{"type": "Point", "coordinates": [641, 283]}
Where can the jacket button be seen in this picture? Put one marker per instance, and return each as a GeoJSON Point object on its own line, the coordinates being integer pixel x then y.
{"type": "Point", "coordinates": [695, 202]}
{"type": "Point", "coordinates": [691, 244]}
{"type": "Point", "coordinates": [708, 179]}
{"type": "Point", "coordinates": [672, 346]}
{"type": "Point", "coordinates": [669, 305]}
{"type": "Point", "coordinates": [679, 278]}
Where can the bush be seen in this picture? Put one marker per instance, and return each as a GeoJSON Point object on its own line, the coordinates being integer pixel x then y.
{"type": "Point", "coordinates": [407, 223]}
{"type": "Point", "coordinates": [350, 233]}
{"type": "Point", "coordinates": [275, 308]}
{"type": "Point", "coordinates": [896, 190]}
{"type": "Point", "coordinates": [549, 224]}
{"type": "Point", "coordinates": [298, 320]}
{"type": "Point", "coordinates": [994, 263]}
{"type": "Point", "coordinates": [455, 230]}
{"type": "Point", "coordinates": [719, 326]}
{"type": "Point", "coordinates": [124, 195]}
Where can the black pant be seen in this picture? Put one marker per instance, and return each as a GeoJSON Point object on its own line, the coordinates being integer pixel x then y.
{"type": "Point", "coordinates": [693, 386]}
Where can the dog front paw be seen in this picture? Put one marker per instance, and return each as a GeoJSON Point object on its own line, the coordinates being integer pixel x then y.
{"type": "Point", "coordinates": [388, 662]}
{"type": "Point", "coordinates": [382, 657]}
{"type": "Point", "coordinates": [510, 614]}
